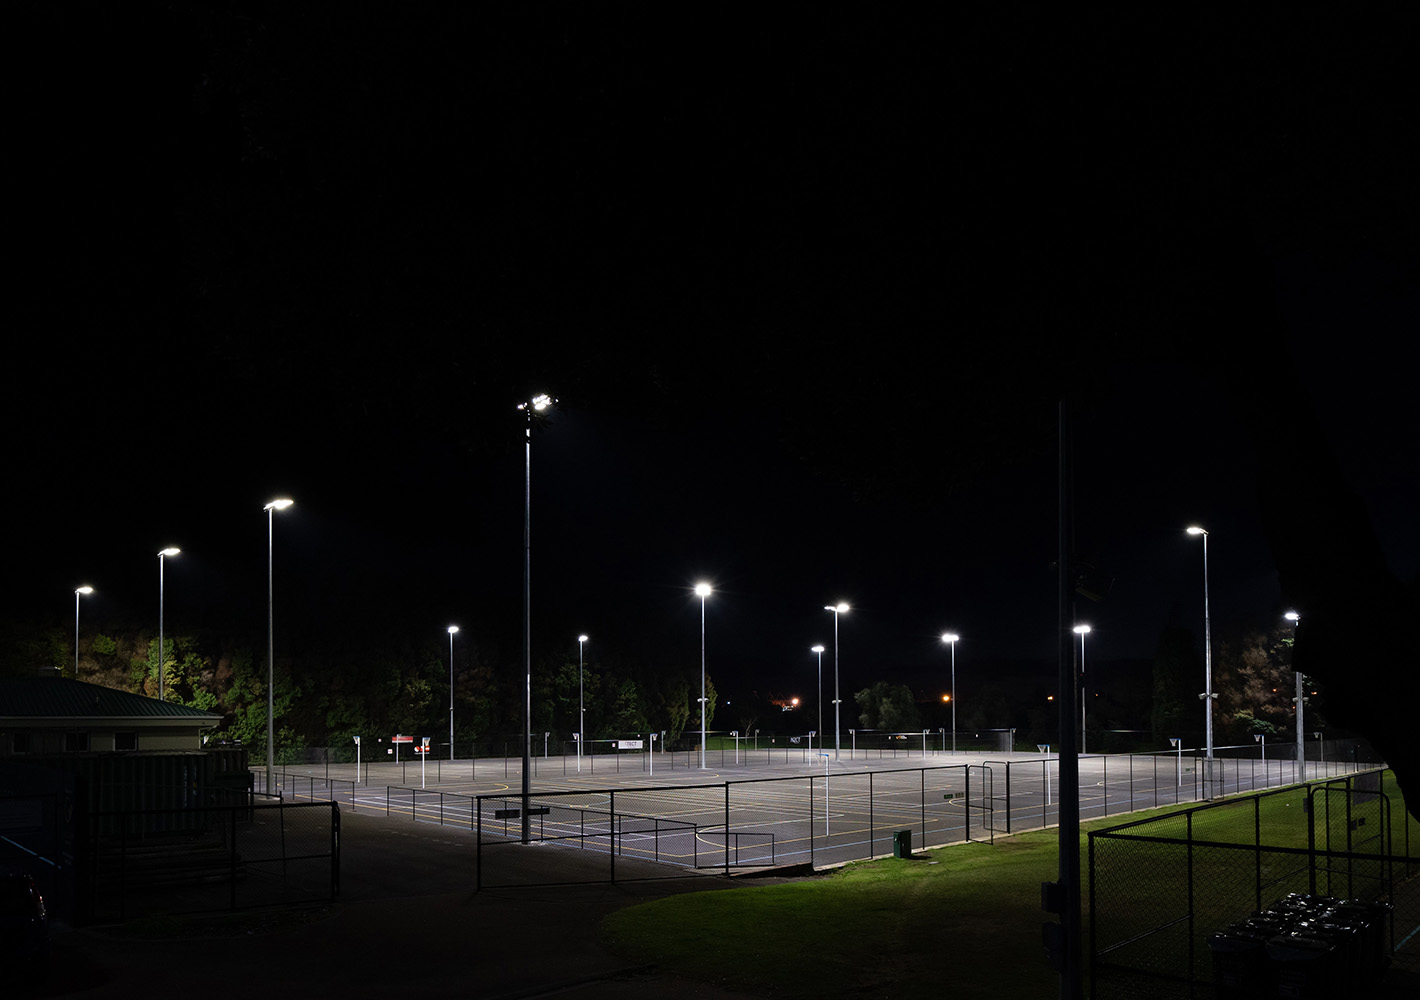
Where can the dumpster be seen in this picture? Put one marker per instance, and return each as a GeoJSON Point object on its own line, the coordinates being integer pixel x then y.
{"type": "Point", "coordinates": [1241, 969]}
{"type": "Point", "coordinates": [902, 844]}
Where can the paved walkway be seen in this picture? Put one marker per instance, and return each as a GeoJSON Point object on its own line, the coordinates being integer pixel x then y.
{"type": "Point", "coordinates": [408, 923]}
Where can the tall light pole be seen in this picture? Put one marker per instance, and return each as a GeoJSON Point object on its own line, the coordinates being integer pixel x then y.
{"type": "Point", "coordinates": [1295, 619]}
{"type": "Point", "coordinates": [819, 650]}
{"type": "Point", "coordinates": [1207, 694]}
{"type": "Point", "coordinates": [951, 638]}
{"type": "Point", "coordinates": [1082, 631]}
{"type": "Point", "coordinates": [171, 550]}
{"type": "Point", "coordinates": [271, 510]}
{"type": "Point", "coordinates": [702, 591]}
{"type": "Point", "coordinates": [85, 590]}
{"type": "Point", "coordinates": [837, 609]}
{"type": "Point", "coordinates": [537, 404]}
{"type": "Point", "coordinates": [581, 705]}
{"type": "Point", "coordinates": [452, 630]}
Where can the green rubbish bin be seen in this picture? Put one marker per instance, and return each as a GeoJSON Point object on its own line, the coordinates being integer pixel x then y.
{"type": "Point", "coordinates": [902, 844]}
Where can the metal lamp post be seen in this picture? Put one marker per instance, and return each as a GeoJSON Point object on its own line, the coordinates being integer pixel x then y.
{"type": "Point", "coordinates": [535, 405]}
{"type": "Point", "coordinates": [819, 650]}
{"type": "Point", "coordinates": [78, 591]}
{"type": "Point", "coordinates": [702, 591]}
{"type": "Point", "coordinates": [1207, 694]}
{"type": "Point", "coordinates": [1082, 631]}
{"type": "Point", "coordinates": [951, 638]}
{"type": "Point", "coordinates": [171, 550]}
{"type": "Point", "coordinates": [1295, 619]}
{"type": "Point", "coordinates": [837, 609]}
{"type": "Point", "coordinates": [581, 705]}
{"type": "Point", "coordinates": [271, 510]}
{"type": "Point", "coordinates": [452, 630]}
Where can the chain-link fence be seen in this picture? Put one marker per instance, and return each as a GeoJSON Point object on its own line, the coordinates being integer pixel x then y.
{"type": "Point", "coordinates": [824, 813]}
{"type": "Point", "coordinates": [1176, 900]}
{"type": "Point", "coordinates": [170, 861]}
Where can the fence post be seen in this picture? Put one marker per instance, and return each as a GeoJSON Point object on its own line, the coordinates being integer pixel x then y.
{"type": "Point", "coordinates": [611, 835]}
{"type": "Point", "coordinates": [871, 837]}
{"type": "Point", "coordinates": [727, 820]}
{"type": "Point", "coordinates": [966, 772]}
{"type": "Point", "coordinates": [811, 820]}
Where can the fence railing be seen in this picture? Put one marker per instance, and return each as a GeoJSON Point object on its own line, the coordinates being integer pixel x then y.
{"type": "Point", "coordinates": [817, 818]}
{"type": "Point", "coordinates": [1165, 891]}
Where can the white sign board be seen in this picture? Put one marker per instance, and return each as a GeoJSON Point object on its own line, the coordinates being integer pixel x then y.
{"type": "Point", "coordinates": [628, 744]}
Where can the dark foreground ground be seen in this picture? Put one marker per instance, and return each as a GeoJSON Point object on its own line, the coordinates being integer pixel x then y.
{"type": "Point", "coordinates": [408, 923]}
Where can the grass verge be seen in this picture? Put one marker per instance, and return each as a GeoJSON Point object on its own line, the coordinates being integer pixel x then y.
{"type": "Point", "coordinates": [964, 919]}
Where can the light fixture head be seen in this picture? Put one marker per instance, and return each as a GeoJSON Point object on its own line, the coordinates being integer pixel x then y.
{"type": "Point", "coordinates": [85, 589]}
{"type": "Point", "coordinates": [280, 504]}
{"type": "Point", "coordinates": [950, 637]}
{"type": "Point", "coordinates": [1195, 530]}
{"type": "Point", "coordinates": [171, 550]}
{"type": "Point", "coordinates": [1081, 629]}
{"type": "Point", "coordinates": [702, 590]}
{"type": "Point", "coordinates": [1292, 616]}
{"type": "Point", "coordinates": [815, 649]}
{"type": "Point", "coordinates": [581, 638]}
{"type": "Point", "coordinates": [539, 402]}
{"type": "Point", "coordinates": [839, 608]}
{"type": "Point", "coordinates": [453, 629]}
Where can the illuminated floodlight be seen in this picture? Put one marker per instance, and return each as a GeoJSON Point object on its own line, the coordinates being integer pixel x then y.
{"type": "Point", "coordinates": [539, 402]}
{"type": "Point", "coordinates": [281, 504]}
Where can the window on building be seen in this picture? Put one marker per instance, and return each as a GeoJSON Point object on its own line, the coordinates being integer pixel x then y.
{"type": "Point", "coordinates": [125, 741]}
{"type": "Point", "coordinates": [20, 742]}
{"type": "Point", "coordinates": [76, 742]}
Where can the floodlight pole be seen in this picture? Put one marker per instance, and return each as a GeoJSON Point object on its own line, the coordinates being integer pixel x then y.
{"type": "Point", "coordinates": [78, 591]}
{"type": "Point", "coordinates": [536, 404]}
{"type": "Point", "coordinates": [836, 609]}
{"type": "Point", "coordinates": [271, 510]}
{"type": "Point", "coordinates": [452, 630]}
{"type": "Point", "coordinates": [581, 705]}
{"type": "Point", "coordinates": [170, 551]}
{"type": "Point", "coordinates": [702, 590]}
{"type": "Point", "coordinates": [1295, 619]}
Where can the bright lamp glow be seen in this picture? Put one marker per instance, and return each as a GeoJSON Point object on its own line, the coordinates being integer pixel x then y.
{"type": "Point", "coordinates": [86, 589]}
{"type": "Point", "coordinates": [702, 590]}
{"type": "Point", "coordinates": [1081, 629]}
{"type": "Point", "coordinates": [815, 649]}
{"type": "Point", "coordinates": [581, 638]}
{"type": "Point", "coordinates": [281, 504]}
{"type": "Point", "coordinates": [1195, 530]}
{"type": "Point", "coordinates": [950, 637]}
{"type": "Point", "coordinates": [171, 550]}
{"type": "Point", "coordinates": [840, 607]}
{"type": "Point", "coordinates": [453, 629]}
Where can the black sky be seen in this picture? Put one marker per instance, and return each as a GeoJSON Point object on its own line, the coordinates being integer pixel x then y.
{"type": "Point", "coordinates": [808, 291]}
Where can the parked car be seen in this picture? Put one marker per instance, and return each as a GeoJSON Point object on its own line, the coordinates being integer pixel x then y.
{"type": "Point", "coordinates": [24, 931]}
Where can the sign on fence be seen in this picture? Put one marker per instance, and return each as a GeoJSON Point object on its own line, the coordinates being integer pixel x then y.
{"type": "Point", "coordinates": [628, 744]}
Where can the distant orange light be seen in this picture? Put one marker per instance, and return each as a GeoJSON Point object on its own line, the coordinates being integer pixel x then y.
{"type": "Point", "coordinates": [946, 697]}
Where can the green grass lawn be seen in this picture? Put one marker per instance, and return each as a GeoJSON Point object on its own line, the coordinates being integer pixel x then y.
{"type": "Point", "coordinates": [964, 919]}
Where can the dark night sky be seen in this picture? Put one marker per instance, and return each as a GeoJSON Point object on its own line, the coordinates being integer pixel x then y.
{"type": "Point", "coordinates": [808, 293]}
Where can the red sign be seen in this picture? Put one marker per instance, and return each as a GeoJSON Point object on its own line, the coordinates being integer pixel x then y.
{"type": "Point", "coordinates": [402, 739]}
{"type": "Point", "coordinates": [421, 749]}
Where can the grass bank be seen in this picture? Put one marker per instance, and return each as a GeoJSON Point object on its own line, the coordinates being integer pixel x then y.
{"type": "Point", "coordinates": [964, 919]}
